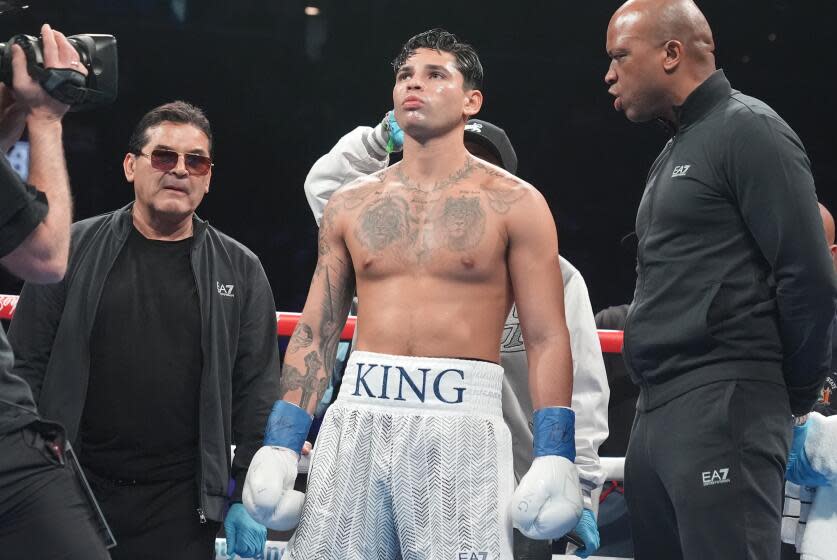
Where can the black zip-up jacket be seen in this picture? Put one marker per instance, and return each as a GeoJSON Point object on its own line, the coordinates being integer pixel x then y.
{"type": "Point", "coordinates": [50, 334]}
{"type": "Point", "coordinates": [734, 279]}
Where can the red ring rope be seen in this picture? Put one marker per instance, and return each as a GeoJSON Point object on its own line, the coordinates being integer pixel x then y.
{"type": "Point", "coordinates": [286, 321]}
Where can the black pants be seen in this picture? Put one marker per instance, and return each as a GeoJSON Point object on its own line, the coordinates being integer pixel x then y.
{"type": "Point", "coordinates": [530, 549]}
{"type": "Point", "coordinates": [155, 520]}
{"type": "Point", "coordinates": [704, 474]}
{"type": "Point", "coordinates": [789, 552]}
{"type": "Point", "coordinates": [44, 513]}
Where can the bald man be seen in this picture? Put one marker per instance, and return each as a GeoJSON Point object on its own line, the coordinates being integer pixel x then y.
{"type": "Point", "coordinates": [729, 332]}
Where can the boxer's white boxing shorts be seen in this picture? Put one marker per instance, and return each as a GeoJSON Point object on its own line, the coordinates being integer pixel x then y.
{"type": "Point", "coordinates": [413, 461]}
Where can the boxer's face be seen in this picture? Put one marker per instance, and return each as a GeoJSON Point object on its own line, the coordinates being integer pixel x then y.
{"type": "Point", "coordinates": [429, 94]}
{"type": "Point", "coordinates": [635, 74]}
{"type": "Point", "coordinates": [175, 193]}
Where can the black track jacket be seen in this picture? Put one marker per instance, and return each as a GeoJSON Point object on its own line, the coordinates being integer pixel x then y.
{"type": "Point", "coordinates": [734, 279]}
{"type": "Point", "coordinates": [50, 333]}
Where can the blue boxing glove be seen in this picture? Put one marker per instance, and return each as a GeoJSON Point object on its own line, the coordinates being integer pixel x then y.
{"type": "Point", "coordinates": [393, 133]}
{"type": "Point", "coordinates": [588, 531]}
{"type": "Point", "coordinates": [245, 537]}
{"type": "Point", "coordinates": [268, 493]}
{"type": "Point", "coordinates": [799, 469]}
{"type": "Point", "coordinates": [547, 503]}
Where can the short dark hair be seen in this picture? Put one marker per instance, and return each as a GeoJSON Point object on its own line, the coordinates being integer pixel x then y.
{"type": "Point", "coordinates": [176, 112]}
{"type": "Point", "coordinates": [467, 60]}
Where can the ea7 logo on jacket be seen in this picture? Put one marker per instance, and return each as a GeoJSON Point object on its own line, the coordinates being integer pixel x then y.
{"type": "Point", "coordinates": [718, 476]}
{"type": "Point", "coordinates": [225, 290]}
{"type": "Point", "coordinates": [680, 170]}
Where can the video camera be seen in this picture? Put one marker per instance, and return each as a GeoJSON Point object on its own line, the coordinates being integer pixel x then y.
{"type": "Point", "coordinates": [96, 52]}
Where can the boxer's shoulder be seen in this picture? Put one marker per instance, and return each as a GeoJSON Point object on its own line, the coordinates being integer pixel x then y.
{"type": "Point", "coordinates": [503, 190]}
{"type": "Point", "coordinates": [351, 196]}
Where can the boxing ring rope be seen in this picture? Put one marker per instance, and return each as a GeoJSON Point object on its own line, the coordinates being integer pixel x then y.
{"type": "Point", "coordinates": [286, 321]}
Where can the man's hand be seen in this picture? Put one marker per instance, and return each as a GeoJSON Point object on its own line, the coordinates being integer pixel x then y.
{"type": "Point", "coordinates": [58, 53]}
{"type": "Point", "coordinates": [393, 135]}
{"type": "Point", "coordinates": [245, 537]}
{"type": "Point", "coordinates": [547, 503]}
{"type": "Point", "coordinates": [799, 469]}
{"type": "Point", "coordinates": [588, 531]}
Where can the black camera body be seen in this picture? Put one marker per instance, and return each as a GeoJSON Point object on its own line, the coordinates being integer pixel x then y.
{"type": "Point", "coordinates": [96, 52]}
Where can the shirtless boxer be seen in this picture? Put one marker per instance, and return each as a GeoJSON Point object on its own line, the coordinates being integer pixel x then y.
{"type": "Point", "coordinates": [414, 456]}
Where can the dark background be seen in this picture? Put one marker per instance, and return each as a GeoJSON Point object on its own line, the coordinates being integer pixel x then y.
{"type": "Point", "coordinates": [281, 87]}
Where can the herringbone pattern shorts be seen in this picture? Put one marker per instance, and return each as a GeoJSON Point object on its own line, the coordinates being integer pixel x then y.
{"type": "Point", "coordinates": [390, 481]}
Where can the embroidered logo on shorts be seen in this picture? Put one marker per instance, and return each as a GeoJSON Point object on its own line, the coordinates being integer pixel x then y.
{"type": "Point", "coordinates": [680, 170]}
{"type": "Point", "coordinates": [225, 290]}
{"type": "Point", "coordinates": [471, 555]}
{"type": "Point", "coordinates": [713, 477]}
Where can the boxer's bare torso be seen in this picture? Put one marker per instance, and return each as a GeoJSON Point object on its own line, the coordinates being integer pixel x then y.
{"type": "Point", "coordinates": [430, 261]}
{"type": "Point", "coordinates": [437, 246]}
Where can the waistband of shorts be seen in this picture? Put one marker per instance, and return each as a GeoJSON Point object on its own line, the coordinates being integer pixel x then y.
{"type": "Point", "coordinates": [422, 384]}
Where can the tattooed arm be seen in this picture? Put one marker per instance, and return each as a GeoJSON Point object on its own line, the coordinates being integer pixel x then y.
{"type": "Point", "coordinates": [539, 295]}
{"type": "Point", "coordinates": [313, 346]}
{"type": "Point", "coordinates": [268, 493]}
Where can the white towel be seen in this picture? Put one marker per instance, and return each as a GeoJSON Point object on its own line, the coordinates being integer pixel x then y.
{"type": "Point", "coordinates": [820, 535]}
{"type": "Point", "coordinates": [821, 444]}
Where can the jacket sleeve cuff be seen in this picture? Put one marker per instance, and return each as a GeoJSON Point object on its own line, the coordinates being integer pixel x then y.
{"type": "Point", "coordinates": [587, 498]}
{"type": "Point", "coordinates": [376, 142]}
{"type": "Point", "coordinates": [802, 400]}
{"type": "Point", "coordinates": [238, 486]}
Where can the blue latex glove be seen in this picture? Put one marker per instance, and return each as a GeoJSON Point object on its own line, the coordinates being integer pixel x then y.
{"type": "Point", "coordinates": [588, 531]}
{"type": "Point", "coordinates": [799, 469]}
{"type": "Point", "coordinates": [245, 537]}
{"type": "Point", "coordinates": [396, 135]}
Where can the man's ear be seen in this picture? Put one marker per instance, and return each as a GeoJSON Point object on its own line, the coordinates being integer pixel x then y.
{"type": "Point", "coordinates": [674, 55]}
{"type": "Point", "coordinates": [473, 102]}
{"type": "Point", "coordinates": [128, 165]}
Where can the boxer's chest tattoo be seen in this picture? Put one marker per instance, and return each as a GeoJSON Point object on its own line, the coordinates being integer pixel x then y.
{"type": "Point", "coordinates": [462, 223]}
{"type": "Point", "coordinates": [385, 222]}
{"type": "Point", "coordinates": [412, 221]}
{"type": "Point", "coordinates": [456, 223]}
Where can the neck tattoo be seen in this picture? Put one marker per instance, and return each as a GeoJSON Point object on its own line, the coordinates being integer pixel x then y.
{"type": "Point", "coordinates": [454, 178]}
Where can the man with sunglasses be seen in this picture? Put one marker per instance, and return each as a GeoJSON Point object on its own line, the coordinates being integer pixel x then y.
{"type": "Point", "coordinates": [158, 351]}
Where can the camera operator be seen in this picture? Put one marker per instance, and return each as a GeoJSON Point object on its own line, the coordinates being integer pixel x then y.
{"type": "Point", "coordinates": [44, 511]}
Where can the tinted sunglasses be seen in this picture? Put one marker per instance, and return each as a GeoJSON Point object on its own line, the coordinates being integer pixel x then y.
{"type": "Point", "coordinates": [166, 160]}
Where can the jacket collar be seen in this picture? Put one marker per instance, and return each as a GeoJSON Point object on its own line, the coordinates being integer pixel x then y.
{"type": "Point", "coordinates": [123, 222]}
{"type": "Point", "coordinates": [713, 90]}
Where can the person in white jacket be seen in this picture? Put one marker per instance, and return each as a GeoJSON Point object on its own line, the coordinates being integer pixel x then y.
{"type": "Point", "coordinates": [366, 150]}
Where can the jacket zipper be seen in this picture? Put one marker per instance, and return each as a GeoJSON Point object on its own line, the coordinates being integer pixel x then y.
{"type": "Point", "coordinates": [663, 157]}
{"type": "Point", "coordinates": [200, 508]}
